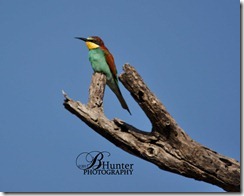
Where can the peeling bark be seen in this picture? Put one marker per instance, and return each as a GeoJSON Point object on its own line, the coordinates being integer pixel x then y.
{"type": "Point", "coordinates": [167, 145]}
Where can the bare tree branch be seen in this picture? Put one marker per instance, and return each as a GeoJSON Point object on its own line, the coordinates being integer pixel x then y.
{"type": "Point", "coordinates": [166, 146]}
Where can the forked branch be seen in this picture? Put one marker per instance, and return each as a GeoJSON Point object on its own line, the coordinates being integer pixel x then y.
{"type": "Point", "coordinates": [166, 146]}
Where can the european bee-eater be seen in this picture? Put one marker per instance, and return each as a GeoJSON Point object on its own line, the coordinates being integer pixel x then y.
{"type": "Point", "coordinates": [102, 61]}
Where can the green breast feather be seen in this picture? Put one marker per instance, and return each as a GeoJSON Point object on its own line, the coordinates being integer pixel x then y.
{"type": "Point", "coordinates": [98, 62]}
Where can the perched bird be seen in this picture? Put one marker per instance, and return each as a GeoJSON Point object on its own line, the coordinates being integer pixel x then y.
{"type": "Point", "coordinates": [102, 61]}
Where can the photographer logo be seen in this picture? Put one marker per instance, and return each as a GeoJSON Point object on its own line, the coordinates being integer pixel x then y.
{"type": "Point", "coordinates": [97, 163]}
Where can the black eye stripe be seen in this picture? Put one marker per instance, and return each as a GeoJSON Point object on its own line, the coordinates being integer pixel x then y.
{"type": "Point", "coordinates": [95, 42]}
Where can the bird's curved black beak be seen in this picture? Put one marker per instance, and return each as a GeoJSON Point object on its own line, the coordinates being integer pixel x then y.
{"type": "Point", "coordinates": [81, 38]}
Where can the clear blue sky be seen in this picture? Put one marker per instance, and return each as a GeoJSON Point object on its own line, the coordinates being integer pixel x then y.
{"type": "Point", "coordinates": [187, 51]}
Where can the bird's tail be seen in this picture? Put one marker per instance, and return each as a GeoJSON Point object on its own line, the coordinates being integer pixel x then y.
{"type": "Point", "coordinates": [116, 90]}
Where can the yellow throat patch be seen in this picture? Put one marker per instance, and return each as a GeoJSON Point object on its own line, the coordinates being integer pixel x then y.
{"type": "Point", "coordinates": [91, 45]}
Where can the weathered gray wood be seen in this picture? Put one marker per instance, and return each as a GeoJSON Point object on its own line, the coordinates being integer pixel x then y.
{"type": "Point", "coordinates": [166, 146]}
